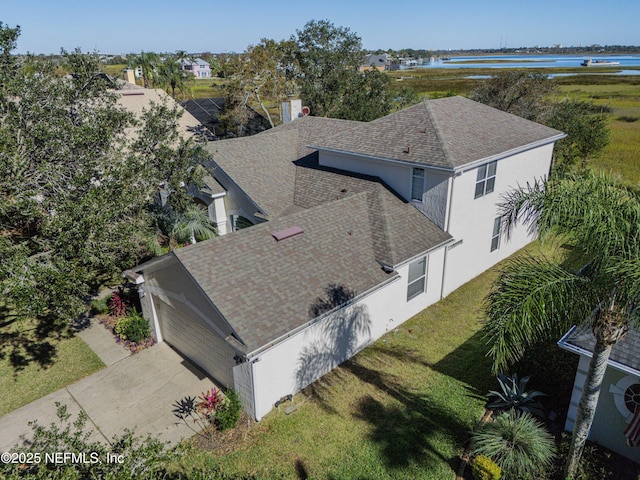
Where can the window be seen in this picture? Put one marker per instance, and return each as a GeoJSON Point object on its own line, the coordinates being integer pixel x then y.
{"type": "Point", "coordinates": [495, 237]}
{"type": "Point", "coordinates": [417, 184]}
{"type": "Point", "coordinates": [486, 180]}
{"type": "Point", "coordinates": [417, 278]}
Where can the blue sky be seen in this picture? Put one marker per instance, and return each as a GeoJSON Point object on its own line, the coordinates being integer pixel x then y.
{"type": "Point", "coordinates": [118, 26]}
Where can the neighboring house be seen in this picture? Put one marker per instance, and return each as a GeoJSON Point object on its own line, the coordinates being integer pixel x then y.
{"type": "Point", "coordinates": [198, 67]}
{"type": "Point", "coordinates": [358, 227]}
{"type": "Point", "coordinates": [136, 99]}
{"type": "Point", "coordinates": [380, 62]}
{"type": "Point", "coordinates": [620, 395]}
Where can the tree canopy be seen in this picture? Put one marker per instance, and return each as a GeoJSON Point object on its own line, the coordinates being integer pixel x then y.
{"type": "Point", "coordinates": [331, 83]}
{"type": "Point", "coordinates": [532, 96]}
{"type": "Point", "coordinates": [78, 174]}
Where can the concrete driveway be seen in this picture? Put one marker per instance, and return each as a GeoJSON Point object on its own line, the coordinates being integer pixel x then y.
{"type": "Point", "coordinates": [135, 392]}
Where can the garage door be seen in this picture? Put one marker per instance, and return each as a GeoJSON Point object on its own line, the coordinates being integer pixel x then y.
{"type": "Point", "coordinates": [196, 342]}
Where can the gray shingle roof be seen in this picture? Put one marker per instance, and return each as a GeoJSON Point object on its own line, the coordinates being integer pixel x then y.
{"type": "Point", "coordinates": [447, 132]}
{"type": "Point", "coordinates": [625, 354]}
{"type": "Point", "coordinates": [265, 288]}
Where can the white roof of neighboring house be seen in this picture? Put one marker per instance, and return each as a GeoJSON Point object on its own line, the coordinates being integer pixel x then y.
{"type": "Point", "coordinates": [136, 99]}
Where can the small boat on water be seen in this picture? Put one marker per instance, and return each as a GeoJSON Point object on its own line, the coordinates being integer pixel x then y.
{"type": "Point", "coordinates": [598, 63]}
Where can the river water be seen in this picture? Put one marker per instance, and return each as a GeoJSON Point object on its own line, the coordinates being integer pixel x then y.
{"type": "Point", "coordinates": [537, 61]}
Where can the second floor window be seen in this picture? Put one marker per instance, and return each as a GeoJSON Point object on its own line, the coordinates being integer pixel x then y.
{"type": "Point", "coordinates": [486, 180]}
{"type": "Point", "coordinates": [417, 184]}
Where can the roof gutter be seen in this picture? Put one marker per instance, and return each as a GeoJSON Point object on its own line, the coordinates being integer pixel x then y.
{"type": "Point", "coordinates": [565, 345]}
{"type": "Point", "coordinates": [509, 153]}
{"type": "Point", "coordinates": [260, 350]}
{"type": "Point", "coordinates": [426, 252]}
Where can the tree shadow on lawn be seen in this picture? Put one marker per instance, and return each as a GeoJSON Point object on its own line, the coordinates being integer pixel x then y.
{"type": "Point", "coordinates": [413, 432]}
{"type": "Point", "coordinates": [24, 344]}
{"type": "Point", "coordinates": [468, 364]}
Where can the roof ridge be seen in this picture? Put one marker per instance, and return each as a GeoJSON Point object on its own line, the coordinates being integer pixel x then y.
{"type": "Point", "coordinates": [385, 231]}
{"type": "Point", "coordinates": [438, 132]}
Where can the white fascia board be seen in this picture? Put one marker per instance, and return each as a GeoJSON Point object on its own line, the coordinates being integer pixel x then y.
{"type": "Point", "coordinates": [382, 159]}
{"type": "Point", "coordinates": [150, 264]}
{"type": "Point", "coordinates": [562, 343]}
{"type": "Point", "coordinates": [514, 151]}
{"type": "Point", "coordinates": [426, 252]}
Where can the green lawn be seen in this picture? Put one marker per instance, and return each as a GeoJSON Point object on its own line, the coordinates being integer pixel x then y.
{"type": "Point", "coordinates": [73, 361]}
{"type": "Point", "coordinates": [402, 408]}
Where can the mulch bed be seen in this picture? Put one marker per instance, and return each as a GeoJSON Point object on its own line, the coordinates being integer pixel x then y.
{"type": "Point", "coordinates": [222, 443]}
{"type": "Point", "coordinates": [109, 323]}
{"type": "Point", "coordinates": [463, 472]}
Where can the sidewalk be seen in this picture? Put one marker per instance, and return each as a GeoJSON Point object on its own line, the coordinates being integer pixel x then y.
{"type": "Point", "coordinates": [102, 342]}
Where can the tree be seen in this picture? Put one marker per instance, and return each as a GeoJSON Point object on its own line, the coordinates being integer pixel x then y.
{"type": "Point", "coordinates": [263, 71]}
{"type": "Point", "coordinates": [518, 92]}
{"type": "Point", "coordinates": [365, 97]}
{"type": "Point", "coordinates": [587, 133]}
{"type": "Point", "coordinates": [8, 41]}
{"type": "Point", "coordinates": [172, 77]}
{"type": "Point", "coordinates": [331, 84]}
{"type": "Point", "coordinates": [329, 57]}
{"type": "Point", "coordinates": [148, 62]}
{"type": "Point", "coordinates": [77, 176]}
{"type": "Point", "coordinates": [536, 299]}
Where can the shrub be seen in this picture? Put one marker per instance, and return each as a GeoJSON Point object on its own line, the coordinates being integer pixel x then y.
{"type": "Point", "coordinates": [99, 306]}
{"type": "Point", "coordinates": [483, 468]}
{"type": "Point", "coordinates": [229, 414]}
{"type": "Point", "coordinates": [133, 327]}
{"type": "Point", "coordinates": [119, 303]}
{"type": "Point", "coordinates": [517, 442]}
{"type": "Point", "coordinates": [210, 402]}
{"type": "Point", "coordinates": [141, 457]}
{"type": "Point", "coordinates": [513, 395]}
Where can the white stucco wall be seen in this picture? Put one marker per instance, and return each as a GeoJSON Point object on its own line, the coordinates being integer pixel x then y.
{"type": "Point", "coordinates": [396, 175]}
{"type": "Point", "coordinates": [304, 357]}
{"type": "Point", "coordinates": [610, 422]}
{"type": "Point", "coordinates": [471, 219]}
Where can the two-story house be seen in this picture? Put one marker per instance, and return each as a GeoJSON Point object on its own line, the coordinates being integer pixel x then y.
{"type": "Point", "coordinates": [356, 227]}
{"type": "Point", "coordinates": [198, 67]}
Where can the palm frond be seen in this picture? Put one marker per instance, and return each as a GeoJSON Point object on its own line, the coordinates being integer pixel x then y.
{"type": "Point", "coordinates": [532, 300]}
{"type": "Point", "coordinates": [194, 222]}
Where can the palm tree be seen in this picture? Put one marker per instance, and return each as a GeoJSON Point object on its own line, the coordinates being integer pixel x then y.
{"type": "Point", "coordinates": [147, 61]}
{"type": "Point", "coordinates": [172, 77]}
{"type": "Point", "coordinates": [535, 299]}
{"type": "Point", "coordinates": [174, 228]}
{"type": "Point", "coordinates": [194, 223]}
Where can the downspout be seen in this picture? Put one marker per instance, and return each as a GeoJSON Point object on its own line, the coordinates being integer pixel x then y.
{"type": "Point", "coordinates": [254, 390]}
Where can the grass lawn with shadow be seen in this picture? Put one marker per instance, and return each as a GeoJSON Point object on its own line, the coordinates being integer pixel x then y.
{"type": "Point", "coordinates": [72, 360]}
{"type": "Point", "coordinates": [400, 409]}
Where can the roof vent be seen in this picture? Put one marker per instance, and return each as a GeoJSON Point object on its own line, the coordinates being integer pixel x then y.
{"type": "Point", "coordinates": [287, 233]}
